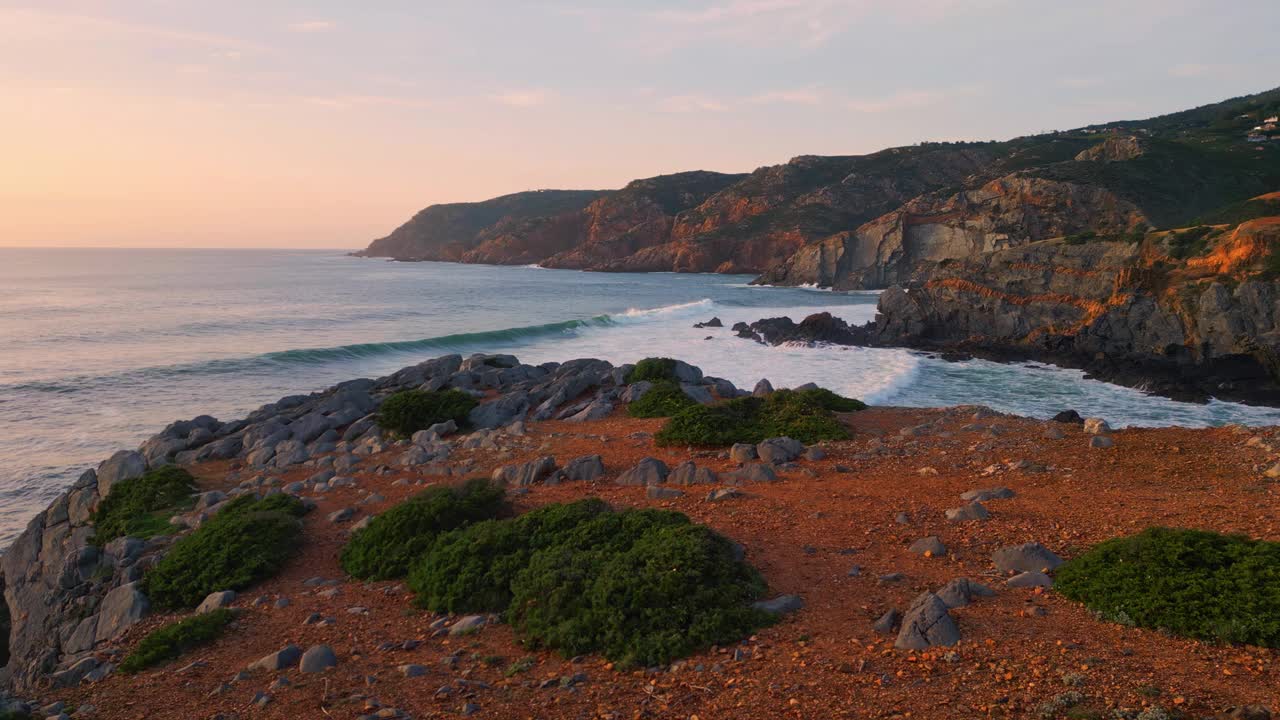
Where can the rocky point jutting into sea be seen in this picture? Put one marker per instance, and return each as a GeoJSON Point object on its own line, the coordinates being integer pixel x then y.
{"type": "Point", "coordinates": [911, 557]}
{"type": "Point", "coordinates": [1143, 251]}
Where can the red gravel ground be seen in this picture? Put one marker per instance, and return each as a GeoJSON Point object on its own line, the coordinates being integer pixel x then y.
{"type": "Point", "coordinates": [1020, 648]}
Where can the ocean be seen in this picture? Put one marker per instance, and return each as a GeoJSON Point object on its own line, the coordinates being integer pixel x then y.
{"type": "Point", "coordinates": [103, 347]}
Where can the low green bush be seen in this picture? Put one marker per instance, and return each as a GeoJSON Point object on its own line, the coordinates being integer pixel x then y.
{"type": "Point", "coordinates": [805, 415]}
{"type": "Point", "coordinates": [390, 543]}
{"type": "Point", "coordinates": [172, 640]}
{"type": "Point", "coordinates": [664, 399]}
{"type": "Point", "coordinates": [247, 541]}
{"type": "Point", "coordinates": [640, 586]}
{"type": "Point", "coordinates": [407, 412]}
{"type": "Point", "coordinates": [654, 369]}
{"type": "Point", "coordinates": [141, 506]}
{"type": "Point", "coordinates": [1188, 582]}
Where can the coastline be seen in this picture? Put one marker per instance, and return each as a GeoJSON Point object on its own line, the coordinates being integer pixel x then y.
{"type": "Point", "coordinates": [802, 530]}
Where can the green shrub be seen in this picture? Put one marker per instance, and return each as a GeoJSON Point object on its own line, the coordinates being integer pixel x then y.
{"type": "Point", "coordinates": [247, 541]}
{"type": "Point", "coordinates": [1190, 242]}
{"type": "Point", "coordinates": [471, 569]}
{"type": "Point", "coordinates": [409, 411]}
{"type": "Point", "coordinates": [661, 589]}
{"type": "Point", "coordinates": [141, 507]}
{"type": "Point", "coordinates": [177, 638]}
{"type": "Point", "coordinates": [654, 370]}
{"type": "Point", "coordinates": [1080, 238]}
{"type": "Point", "coordinates": [1188, 582]}
{"type": "Point", "coordinates": [664, 399]}
{"type": "Point", "coordinates": [387, 547]}
{"type": "Point", "coordinates": [805, 415]}
{"type": "Point", "coordinates": [641, 586]}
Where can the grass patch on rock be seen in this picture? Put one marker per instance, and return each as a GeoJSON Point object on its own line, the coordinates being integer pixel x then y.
{"type": "Point", "coordinates": [407, 412]}
{"type": "Point", "coordinates": [141, 507]}
{"type": "Point", "coordinates": [805, 415]}
{"type": "Point", "coordinates": [640, 586]}
{"type": "Point", "coordinates": [654, 369]}
{"type": "Point", "coordinates": [393, 540]}
{"type": "Point", "coordinates": [247, 541]}
{"type": "Point", "coordinates": [171, 641]}
{"type": "Point", "coordinates": [1192, 583]}
{"type": "Point", "coordinates": [664, 399]}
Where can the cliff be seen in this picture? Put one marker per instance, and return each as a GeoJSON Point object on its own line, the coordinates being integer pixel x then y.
{"type": "Point", "coordinates": [867, 221]}
{"type": "Point", "coordinates": [1192, 313]}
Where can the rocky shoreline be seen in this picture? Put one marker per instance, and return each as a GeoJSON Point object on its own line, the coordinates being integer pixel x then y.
{"type": "Point", "coordinates": [75, 608]}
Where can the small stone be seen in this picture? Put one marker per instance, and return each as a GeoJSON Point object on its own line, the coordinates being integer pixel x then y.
{"type": "Point", "coordinates": [1027, 557]}
{"type": "Point", "coordinates": [412, 670]}
{"type": "Point", "coordinates": [1102, 442]}
{"type": "Point", "coordinates": [888, 622]}
{"type": "Point", "coordinates": [974, 511]}
{"type": "Point", "coordinates": [658, 492]}
{"type": "Point", "coordinates": [467, 625]}
{"type": "Point", "coordinates": [1029, 580]}
{"type": "Point", "coordinates": [343, 515]}
{"type": "Point", "coordinates": [930, 546]}
{"type": "Point", "coordinates": [1096, 426]}
{"type": "Point", "coordinates": [780, 605]}
{"type": "Point", "coordinates": [988, 494]}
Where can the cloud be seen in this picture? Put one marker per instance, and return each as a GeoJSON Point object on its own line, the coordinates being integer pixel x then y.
{"type": "Point", "coordinates": [39, 22]}
{"type": "Point", "coordinates": [1192, 70]}
{"type": "Point", "coordinates": [796, 96]}
{"type": "Point", "coordinates": [1080, 81]}
{"type": "Point", "coordinates": [522, 98]}
{"type": "Point", "coordinates": [909, 99]}
{"type": "Point", "coordinates": [690, 103]}
{"type": "Point", "coordinates": [350, 101]}
{"type": "Point", "coordinates": [312, 26]}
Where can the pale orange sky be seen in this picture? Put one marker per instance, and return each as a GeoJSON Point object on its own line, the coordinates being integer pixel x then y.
{"type": "Point", "coordinates": [326, 124]}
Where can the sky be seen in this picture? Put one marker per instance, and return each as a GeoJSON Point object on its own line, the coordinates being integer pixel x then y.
{"type": "Point", "coordinates": [273, 123]}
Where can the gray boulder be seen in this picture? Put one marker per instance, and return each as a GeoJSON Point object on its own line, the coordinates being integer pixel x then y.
{"type": "Point", "coordinates": [1029, 580]}
{"type": "Point", "coordinates": [282, 659]}
{"type": "Point", "coordinates": [779, 450]}
{"type": "Point", "coordinates": [755, 472]}
{"type": "Point", "coordinates": [525, 474]}
{"type": "Point", "coordinates": [888, 623]}
{"type": "Point", "coordinates": [698, 393]}
{"type": "Point", "coordinates": [124, 465]}
{"type": "Point", "coordinates": [763, 388]}
{"type": "Point", "coordinates": [988, 494]}
{"type": "Point", "coordinates": [468, 624]}
{"type": "Point", "coordinates": [742, 452]}
{"type": "Point", "coordinates": [967, 513]}
{"type": "Point", "coordinates": [780, 605]}
{"type": "Point", "coordinates": [660, 492]}
{"type": "Point", "coordinates": [962, 591]}
{"type": "Point", "coordinates": [927, 624]}
{"type": "Point", "coordinates": [216, 601]}
{"type": "Point", "coordinates": [636, 390]}
{"type": "Point", "coordinates": [317, 658]}
{"type": "Point", "coordinates": [120, 609]}
{"type": "Point", "coordinates": [499, 412]}
{"type": "Point", "coordinates": [930, 545]}
{"type": "Point", "coordinates": [688, 473]}
{"type": "Point", "coordinates": [649, 471]}
{"type": "Point", "coordinates": [584, 469]}
{"type": "Point", "coordinates": [1027, 557]}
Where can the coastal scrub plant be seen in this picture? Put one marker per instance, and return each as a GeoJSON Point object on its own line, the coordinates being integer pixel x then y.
{"type": "Point", "coordinates": [664, 399]}
{"type": "Point", "coordinates": [1192, 583]}
{"type": "Point", "coordinates": [409, 411]}
{"type": "Point", "coordinates": [654, 369]}
{"type": "Point", "coordinates": [385, 548]}
{"type": "Point", "coordinates": [641, 587]}
{"type": "Point", "coordinates": [247, 541]}
{"type": "Point", "coordinates": [805, 415]}
{"type": "Point", "coordinates": [174, 639]}
{"type": "Point", "coordinates": [141, 507]}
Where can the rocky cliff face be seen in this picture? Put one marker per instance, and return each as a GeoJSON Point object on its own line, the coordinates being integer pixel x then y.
{"type": "Point", "coordinates": [1206, 325]}
{"type": "Point", "coordinates": [1010, 211]}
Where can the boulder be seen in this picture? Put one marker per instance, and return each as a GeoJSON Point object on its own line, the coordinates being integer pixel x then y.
{"type": "Point", "coordinates": [120, 609]}
{"type": "Point", "coordinates": [968, 513]}
{"type": "Point", "coordinates": [282, 659]}
{"type": "Point", "coordinates": [996, 493]}
{"type": "Point", "coordinates": [742, 452]}
{"type": "Point", "coordinates": [659, 492]}
{"type": "Point", "coordinates": [649, 471]}
{"type": "Point", "coordinates": [698, 393]}
{"type": "Point", "coordinates": [931, 546]}
{"type": "Point", "coordinates": [584, 469]}
{"type": "Point", "coordinates": [723, 494]}
{"type": "Point", "coordinates": [1068, 417]}
{"type": "Point", "coordinates": [927, 624]}
{"type": "Point", "coordinates": [636, 390]}
{"type": "Point", "coordinates": [755, 472]}
{"type": "Point", "coordinates": [502, 411]}
{"type": "Point", "coordinates": [688, 473]}
{"type": "Point", "coordinates": [317, 658]}
{"type": "Point", "coordinates": [763, 388]}
{"type": "Point", "coordinates": [598, 409]}
{"type": "Point", "coordinates": [779, 450]}
{"type": "Point", "coordinates": [1101, 442]}
{"type": "Point", "coordinates": [1027, 557]}
{"type": "Point", "coordinates": [962, 591]}
{"type": "Point", "coordinates": [1030, 579]}
{"type": "Point", "coordinates": [216, 601]}
{"type": "Point", "coordinates": [525, 474]}
{"type": "Point", "coordinates": [467, 625]}
{"type": "Point", "coordinates": [888, 623]}
{"type": "Point", "coordinates": [781, 605]}
{"type": "Point", "coordinates": [124, 465]}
